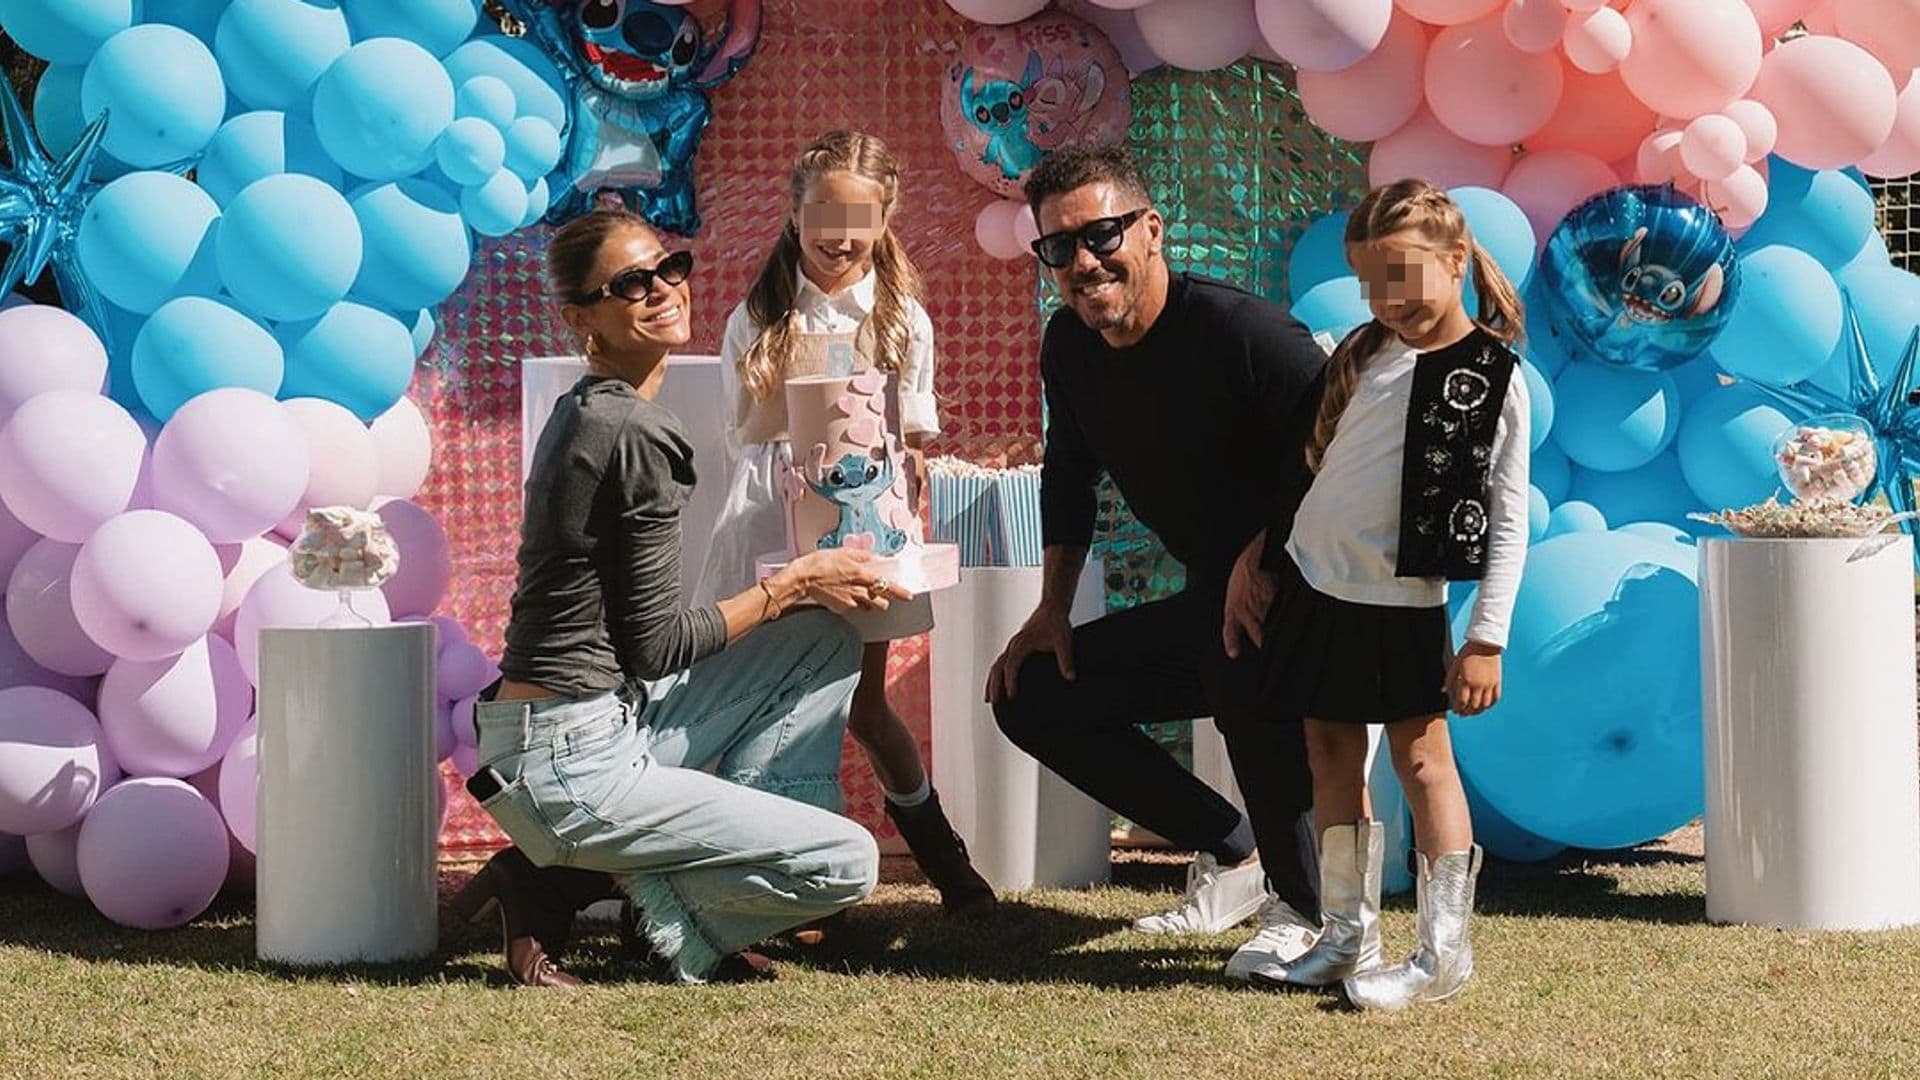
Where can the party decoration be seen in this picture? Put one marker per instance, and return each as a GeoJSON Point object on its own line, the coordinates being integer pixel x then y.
{"type": "Point", "coordinates": [638, 75]}
{"type": "Point", "coordinates": [1320, 254]}
{"type": "Point", "coordinates": [1598, 41]}
{"type": "Point", "coordinates": [53, 763]}
{"type": "Point", "coordinates": [152, 853]}
{"type": "Point", "coordinates": [192, 345]}
{"type": "Point", "coordinates": [56, 859]}
{"type": "Point", "coordinates": [1491, 112]}
{"type": "Point", "coordinates": [40, 612]}
{"type": "Point", "coordinates": [272, 52]}
{"type": "Point", "coordinates": [1890, 29]}
{"type": "Point", "coordinates": [1201, 35]}
{"type": "Point", "coordinates": [289, 247]}
{"type": "Point", "coordinates": [148, 237]}
{"type": "Point", "coordinates": [178, 715]}
{"type": "Point", "coordinates": [256, 145]}
{"type": "Point", "coordinates": [343, 466]}
{"type": "Point", "coordinates": [1691, 57]}
{"type": "Point", "coordinates": [44, 348]}
{"type": "Point", "coordinates": [404, 448]}
{"type": "Point", "coordinates": [69, 461]}
{"type": "Point", "coordinates": [1655, 492]}
{"type": "Point", "coordinates": [42, 202]}
{"type": "Point", "coordinates": [435, 25]}
{"type": "Point", "coordinates": [425, 566]}
{"type": "Point", "coordinates": [276, 599]}
{"type": "Point", "coordinates": [1900, 155]}
{"type": "Point", "coordinates": [1375, 96]}
{"type": "Point", "coordinates": [1833, 103]}
{"type": "Point", "coordinates": [1015, 92]}
{"type": "Point", "coordinates": [1325, 35]}
{"type": "Point", "coordinates": [65, 31]}
{"type": "Point", "coordinates": [1425, 148]}
{"type": "Point", "coordinates": [1827, 458]}
{"type": "Point", "coordinates": [1789, 321]}
{"type": "Point", "coordinates": [232, 463]}
{"type": "Point", "coordinates": [353, 355]}
{"type": "Point", "coordinates": [416, 249]}
{"type": "Point", "coordinates": [146, 585]}
{"type": "Point", "coordinates": [1613, 419]}
{"type": "Point", "coordinates": [240, 784]}
{"type": "Point", "coordinates": [1641, 277]}
{"type": "Point", "coordinates": [1726, 445]}
{"type": "Point", "coordinates": [1597, 116]}
{"type": "Point", "coordinates": [471, 150]}
{"type": "Point", "coordinates": [1546, 185]}
{"type": "Point", "coordinates": [380, 108]}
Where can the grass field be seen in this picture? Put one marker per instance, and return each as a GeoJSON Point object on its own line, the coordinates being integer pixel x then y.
{"type": "Point", "coordinates": [1591, 965]}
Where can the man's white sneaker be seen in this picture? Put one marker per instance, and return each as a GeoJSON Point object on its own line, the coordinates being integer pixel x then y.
{"type": "Point", "coordinates": [1218, 898]}
{"type": "Point", "coordinates": [1284, 936]}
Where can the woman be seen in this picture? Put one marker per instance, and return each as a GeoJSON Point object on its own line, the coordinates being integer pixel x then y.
{"type": "Point", "coordinates": [621, 738]}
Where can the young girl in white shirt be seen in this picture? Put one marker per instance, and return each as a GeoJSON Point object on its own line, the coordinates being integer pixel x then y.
{"type": "Point", "coordinates": [836, 295]}
{"type": "Point", "coordinates": [1418, 475]}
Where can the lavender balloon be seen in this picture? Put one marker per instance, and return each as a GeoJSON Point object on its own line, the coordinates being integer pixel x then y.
{"type": "Point", "coordinates": [40, 612]}
{"type": "Point", "coordinates": [178, 716]}
{"type": "Point", "coordinates": [56, 858]}
{"type": "Point", "coordinates": [69, 460]}
{"type": "Point", "coordinates": [146, 585]}
{"type": "Point", "coordinates": [244, 563]}
{"type": "Point", "coordinates": [276, 599]}
{"type": "Point", "coordinates": [152, 853]}
{"type": "Point", "coordinates": [232, 462]}
{"type": "Point", "coordinates": [53, 761]}
{"type": "Point", "coordinates": [344, 466]}
{"type": "Point", "coordinates": [240, 783]}
{"type": "Point", "coordinates": [426, 567]}
{"type": "Point", "coordinates": [45, 348]}
{"type": "Point", "coordinates": [19, 669]}
{"type": "Point", "coordinates": [13, 853]}
{"type": "Point", "coordinates": [404, 449]}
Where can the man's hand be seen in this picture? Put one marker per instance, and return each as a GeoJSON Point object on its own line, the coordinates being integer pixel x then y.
{"type": "Point", "coordinates": [1250, 592]}
{"type": "Point", "coordinates": [1047, 630]}
{"type": "Point", "coordinates": [1473, 679]}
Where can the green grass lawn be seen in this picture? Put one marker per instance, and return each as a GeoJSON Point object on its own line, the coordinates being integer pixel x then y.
{"type": "Point", "coordinates": [1591, 965]}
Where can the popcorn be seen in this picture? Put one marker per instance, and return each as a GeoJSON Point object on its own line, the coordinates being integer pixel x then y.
{"type": "Point", "coordinates": [1822, 462]}
{"type": "Point", "coordinates": [344, 548]}
{"type": "Point", "coordinates": [1814, 518]}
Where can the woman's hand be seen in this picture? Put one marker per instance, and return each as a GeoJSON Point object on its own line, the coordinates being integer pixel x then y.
{"type": "Point", "coordinates": [843, 580]}
{"type": "Point", "coordinates": [1473, 680]}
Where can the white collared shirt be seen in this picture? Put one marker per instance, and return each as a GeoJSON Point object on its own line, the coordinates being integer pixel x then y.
{"type": "Point", "coordinates": [843, 313]}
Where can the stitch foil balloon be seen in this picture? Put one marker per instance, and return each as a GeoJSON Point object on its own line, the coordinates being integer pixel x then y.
{"type": "Point", "coordinates": [1642, 277]}
{"type": "Point", "coordinates": [1015, 92]}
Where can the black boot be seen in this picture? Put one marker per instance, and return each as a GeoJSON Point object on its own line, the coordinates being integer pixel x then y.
{"type": "Point", "coordinates": [942, 856]}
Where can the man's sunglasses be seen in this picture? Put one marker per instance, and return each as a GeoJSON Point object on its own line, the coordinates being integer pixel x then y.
{"type": "Point", "coordinates": [635, 282]}
{"type": "Point", "coordinates": [1102, 236]}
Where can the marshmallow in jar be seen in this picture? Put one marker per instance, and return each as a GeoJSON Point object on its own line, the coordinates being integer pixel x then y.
{"type": "Point", "coordinates": [1827, 458]}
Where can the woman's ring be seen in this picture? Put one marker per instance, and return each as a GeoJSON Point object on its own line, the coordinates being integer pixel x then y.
{"type": "Point", "coordinates": [879, 585]}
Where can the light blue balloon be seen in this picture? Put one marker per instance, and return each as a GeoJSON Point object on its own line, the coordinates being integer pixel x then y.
{"type": "Point", "coordinates": [470, 151]}
{"type": "Point", "coordinates": [538, 199]}
{"type": "Point", "coordinates": [495, 207]}
{"type": "Point", "coordinates": [1539, 406]}
{"type": "Point", "coordinates": [487, 97]}
{"type": "Point", "coordinates": [122, 330]}
{"type": "Point", "coordinates": [57, 115]}
{"type": "Point", "coordinates": [1886, 300]}
{"type": "Point", "coordinates": [164, 90]}
{"type": "Point", "coordinates": [1500, 837]}
{"type": "Point", "coordinates": [147, 238]}
{"type": "Point", "coordinates": [1319, 255]}
{"type": "Point", "coordinates": [416, 246]}
{"type": "Point", "coordinates": [1873, 253]}
{"type": "Point", "coordinates": [421, 327]}
{"type": "Point", "coordinates": [1657, 491]}
{"type": "Point", "coordinates": [64, 31]}
{"type": "Point", "coordinates": [538, 89]}
{"type": "Point", "coordinates": [1539, 514]}
{"type": "Point", "coordinates": [1574, 516]}
{"type": "Point", "coordinates": [1694, 378]}
{"type": "Point", "coordinates": [1333, 303]}
{"type": "Point", "coordinates": [1611, 418]}
{"type": "Point", "coordinates": [193, 345]}
{"type": "Point", "coordinates": [1659, 531]}
{"type": "Point", "coordinates": [355, 356]}
{"type": "Point", "coordinates": [1788, 319]}
{"type": "Point", "coordinates": [1550, 471]}
{"type": "Point", "coordinates": [435, 25]}
{"type": "Point", "coordinates": [1824, 213]}
{"type": "Point", "coordinates": [274, 51]}
{"type": "Point", "coordinates": [1726, 446]}
{"type": "Point", "coordinates": [380, 108]}
{"type": "Point", "coordinates": [1596, 740]}
{"type": "Point", "coordinates": [533, 148]}
{"type": "Point", "coordinates": [256, 145]}
{"type": "Point", "coordinates": [289, 246]}
{"type": "Point", "coordinates": [1502, 228]}
{"type": "Point", "coordinates": [201, 18]}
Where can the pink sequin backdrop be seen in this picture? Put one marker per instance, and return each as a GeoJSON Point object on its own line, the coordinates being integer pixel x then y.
{"type": "Point", "coordinates": [875, 65]}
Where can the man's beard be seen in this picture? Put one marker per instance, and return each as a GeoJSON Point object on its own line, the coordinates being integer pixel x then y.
{"type": "Point", "coordinates": [1113, 309]}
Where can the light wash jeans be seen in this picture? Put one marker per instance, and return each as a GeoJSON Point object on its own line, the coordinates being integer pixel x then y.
{"type": "Point", "coordinates": [710, 795]}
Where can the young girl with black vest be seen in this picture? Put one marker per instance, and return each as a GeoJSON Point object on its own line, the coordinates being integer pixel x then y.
{"type": "Point", "coordinates": [1417, 475]}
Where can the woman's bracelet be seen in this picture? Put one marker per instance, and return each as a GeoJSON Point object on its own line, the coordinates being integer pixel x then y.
{"type": "Point", "coordinates": [771, 609]}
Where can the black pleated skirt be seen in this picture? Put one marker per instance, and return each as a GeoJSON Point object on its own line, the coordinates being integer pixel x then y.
{"type": "Point", "coordinates": [1349, 663]}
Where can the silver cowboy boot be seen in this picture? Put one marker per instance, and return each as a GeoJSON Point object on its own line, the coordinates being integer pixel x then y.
{"type": "Point", "coordinates": [1443, 962]}
{"type": "Point", "coordinates": [1349, 942]}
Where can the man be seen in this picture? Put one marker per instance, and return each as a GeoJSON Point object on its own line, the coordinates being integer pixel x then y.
{"type": "Point", "coordinates": [1194, 397]}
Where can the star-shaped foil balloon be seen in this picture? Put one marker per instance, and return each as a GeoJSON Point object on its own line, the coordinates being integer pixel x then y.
{"type": "Point", "coordinates": [1891, 411]}
{"type": "Point", "coordinates": [41, 202]}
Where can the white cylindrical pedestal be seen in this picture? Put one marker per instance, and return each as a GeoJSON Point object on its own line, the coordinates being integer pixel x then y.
{"type": "Point", "coordinates": [348, 797]}
{"type": "Point", "coordinates": [1024, 826]}
{"type": "Point", "coordinates": [1813, 795]}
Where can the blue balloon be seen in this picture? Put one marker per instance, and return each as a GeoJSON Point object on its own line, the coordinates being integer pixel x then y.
{"type": "Point", "coordinates": [1333, 303]}
{"type": "Point", "coordinates": [1657, 491]}
{"type": "Point", "coordinates": [437, 26]}
{"type": "Point", "coordinates": [289, 246]}
{"type": "Point", "coordinates": [470, 151]}
{"type": "Point", "coordinates": [421, 327]}
{"type": "Point", "coordinates": [354, 356]}
{"type": "Point", "coordinates": [485, 97]}
{"type": "Point", "coordinates": [533, 148]}
{"type": "Point", "coordinates": [147, 238]}
{"type": "Point", "coordinates": [256, 145]}
{"type": "Point", "coordinates": [538, 199]}
{"type": "Point", "coordinates": [1825, 213]}
{"type": "Point", "coordinates": [1693, 378]}
{"type": "Point", "coordinates": [65, 31]}
{"type": "Point", "coordinates": [1502, 228]}
{"type": "Point", "coordinates": [1596, 740]}
{"type": "Point", "coordinates": [1539, 514]}
{"type": "Point", "coordinates": [1612, 418]}
{"type": "Point", "coordinates": [164, 92]}
{"type": "Point", "coordinates": [1501, 838]}
{"type": "Point", "coordinates": [1574, 516]}
{"type": "Point", "coordinates": [380, 108]}
{"type": "Point", "coordinates": [122, 330]}
{"type": "Point", "coordinates": [538, 88]}
{"type": "Point", "coordinates": [496, 207]}
{"type": "Point", "coordinates": [201, 18]}
{"type": "Point", "coordinates": [1886, 301]}
{"type": "Point", "coordinates": [1550, 471]}
{"type": "Point", "coordinates": [416, 246]}
{"type": "Point", "coordinates": [274, 51]}
{"type": "Point", "coordinates": [1550, 348]}
{"type": "Point", "coordinates": [1787, 322]}
{"type": "Point", "coordinates": [1659, 531]}
{"type": "Point", "coordinates": [1872, 254]}
{"type": "Point", "coordinates": [1641, 277]}
{"type": "Point", "coordinates": [57, 115]}
{"type": "Point", "coordinates": [193, 345]}
{"type": "Point", "coordinates": [1319, 255]}
{"type": "Point", "coordinates": [1539, 406]}
{"type": "Point", "coordinates": [1726, 446]}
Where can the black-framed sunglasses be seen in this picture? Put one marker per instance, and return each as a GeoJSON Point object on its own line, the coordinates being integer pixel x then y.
{"type": "Point", "coordinates": [635, 282]}
{"type": "Point", "coordinates": [1102, 236]}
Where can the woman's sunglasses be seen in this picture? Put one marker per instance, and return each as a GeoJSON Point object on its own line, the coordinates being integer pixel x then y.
{"type": "Point", "coordinates": [635, 282]}
{"type": "Point", "coordinates": [1102, 236]}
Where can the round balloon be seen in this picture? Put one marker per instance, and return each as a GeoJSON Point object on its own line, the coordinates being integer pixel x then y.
{"type": "Point", "coordinates": [1319, 255]}
{"type": "Point", "coordinates": [231, 462]}
{"type": "Point", "coordinates": [1642, 277]}
{"type": "Point", "coordinates": [57, 114]}
{"type": "Point", "coordinates": [289, 247]}
{"type": "Point", "coordinates": [471, 150]}
{"type": "Point", "coordinates": [1656, 492]}
{"type": "Point", "coordinates": [1016, 92]}
{"type": "Point", "coordinates": [1614, 419]}
{"type": "Point", "coordinates": [273, 51]}
{"type": "Point", "coordinates": [44, 348]}
{"type": "Point", "coordinates": [146, 585]}
{"type": "Point", "coordinates": [426, 567]}
{"type": "Point", "coordinates": [243, 564]}
{"type": "Point", "coordinates": [240, 784]}
{"type": "Point", "coordinates": [164, 92]}
{"type": "Point", "coordinates": [438, 26]}
{"type": "Point", "coordinates": [380, 108]}
{"type": "Point", "coordinates": [53, 760]}
{"type": "Point", "coordinates": [538, 88]}
{"type": "Point", "coordinates": [256, 145]}
{"type": "Point", "coordinates": [55, 858]}
{"type": "Point", "coordinates": [153, 853]}
{"type": "Point", "coordinates": [1789, 322]}
{"type": "Point", "coordinates": [276, 599]}
{"type": "Point", "coordinates": [344, 464]}
{"type": "Point", "coordinates": [1726, 446]}
{"type": "Point", "coordinates": [192, 345]}
{"type": "Point", "coordinates": [148, 237]}
{"type": "Point", "coordinates": [65, 31]}
{"type": "Point", "coordinates": [40, 612]}
{"type": "Point", "coordinates": [178, 715]}
{"type": "Point", "coordinates": [355, 356]}
{"type": "Point", "coordinates": [1574, 516]}
{"type": "Point", "coordinates": [69, 461]}
{"type": "Point", "coordinates": [417, 249]}
{"type": "Point", "coordinates": [404, 446]}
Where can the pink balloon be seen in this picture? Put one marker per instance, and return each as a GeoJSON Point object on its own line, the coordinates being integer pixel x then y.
{"type": "Point", "coordinates": [1833, 102]}
{"type": "Point", "coordinates": [1025, 229]}
{"type": "Point", "coordinates": [19, 669]}
{"type": "Point", "coordinates": [1120, 5]}
{"type": "Point", "coordinates": [15, 539]}
{"type": "Point", "coordinates": [1598, 42]}
{"type": "Point", "coordinates": [1548, 184]}
{"type": "Point", "coordinates": [69, 460]}
{"type": "Point", "coordinates": [1691, 57]}
{"type": "Point", "coordinates": [1659, 157]}
{"type": "Point", "coordinates": [344, 464]}
{"type": "Point", "coordinates": [56, 858]}
{"type": "Point", "coordinates": [276, 599]}
{"type": "Point", "coordinates": [420, 583]}
{"type": "Point", "coordinates": [993, 229]}
{"type": "Point", "coordinates": [1122, 31]}
{"type": "Point", "coordinates": [1424, 148]}
{"type": "Point", "coordinates": [1739, 199]}
{"type": "Point", "coordinates": [146, 585]}
{"type": "Point", "coordinates": [1447, 12]}
{"type": "Point", "coordinates": [1900, 155]}
{"type": "Point", "coordinates": [1756, 124]}
{"type": "Point", "coordinates": [462, 721]}
{"type": "Point", "coordinates": [53, 760]}
{"type": "Point", "coordinates": [44, 348]}
{"type": "Point", "coordinates": [1198, 35]}
{"type": "Point", "coordinates": [175, 717]}
{"type": "Point", "coordinates": [40, 612]}
{"type": "Point", "coordinates": [1582, 7]}
{"type": "Point", "coordinates": [997, 12]}
{"type": "Point", "coordinates": [1323, 35]}
{"type": "Point", "coordinates": [239, 860]}
{"type": "Point", "coordinates": [1485, 90]}
{"type": "Point", "coordinates": [1376, 96]}
{"type": "Point", "coordinates": [463, 671]}
{"type": "Point", "coordinates": [404, 448]}
{"type": "Point", "coordinates": [1776, 15]}
{"type": "Point", "coordinates": [1597, 116]}
{"type": "Point", "coordinates": [153, 853]}
{"type": "Point", "coordinates": [243, 563]}
{"type": "Point", "coordinates": [240, 784]}
{"type": "Point", "coordinates": [231, 462]}
{"type": "Point", "coordinates": [1535, 26]}
{"type": "Point", "coordinates": [1712, 146]}
{"type": "Point", "coordinates": [1821, 20]}
{"type": "Point", "coordinates": [1890, 29]}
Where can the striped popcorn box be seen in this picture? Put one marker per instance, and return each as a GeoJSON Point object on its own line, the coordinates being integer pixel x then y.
{"type": "Point", "coordinates": [1018, 500]}
{"type": "Point", "coordinates": [960, 505]}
